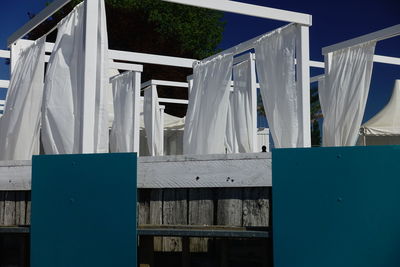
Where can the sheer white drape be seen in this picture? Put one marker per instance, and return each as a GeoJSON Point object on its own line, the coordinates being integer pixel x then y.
{"type": "Point", "coordinates": [63, 93]}
{"type": "Point", "coordinates": [344, 94]}
{"type": "Point", "coordinates": [20, 123]}
{"type": "Point", "coordinates": [154, 132]}
{"type": "Point", "coordinates": [231, 142]}
{"type": "Point", "coordinates": [243, 120]}
{"type": "Point", "coordinates": [275, 61]}
{"type": "Point", "coordinates": [122, 131]}
{"type": "Point", "coordinates": [205, 123]}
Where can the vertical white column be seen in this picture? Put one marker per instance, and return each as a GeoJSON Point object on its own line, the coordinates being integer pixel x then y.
{"type": "Point", "coordinates": [303, 82]}
{"type": "Point", "coordinates": [136, 113]}
{"type": "Point", "coordinates": [89, 87]}
{"type": "Point", "coordinates": [153, 117]}
{"type": "Point", "coordinates": [253, 93]}
{"type": "Point", "coordinates": [162, 108]}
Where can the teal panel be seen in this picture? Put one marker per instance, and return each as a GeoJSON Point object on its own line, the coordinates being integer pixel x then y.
{"type": "Point", "coordinates": [336, 207]}
{"type": "Point", "coordinates": [83, 210]}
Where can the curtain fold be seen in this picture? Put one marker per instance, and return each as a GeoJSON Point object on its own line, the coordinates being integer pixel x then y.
{"type": "Point", "coordinates": [122, 131]}
{"type": "Point", "coordinates": [205, 123]}
{"type": "Point", "coordinates": [343, 94]}
{"type": "Point", "coordinates": [275, 61]}
{"type": "Point", "coordinates": [63, 93]}
{"type": "Point", "coordinates": [154, 134]}
{"type": "Point", "coordinates": [20, 123]}
{"type": "Point", "coordinates": [241, 100]}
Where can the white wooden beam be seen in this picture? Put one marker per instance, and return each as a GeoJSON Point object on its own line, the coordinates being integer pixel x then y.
{"type": "Point", "coordinates": [4, 83]}
{"type": "Point", "coordinates": [303, 82]}
{"type": "Point", "coordinates": [126, 66]}
{"type": "Point", "coordinates": [164, 83]}
{"type": "Point", "coordinates": [374, 36]}
{"type": "Point", "coordinates": [89, 87]}
{"type": "Point", "coordinates": [136, 113]}
{"type": "Point", "coordinates": [249, 10]}
{"type": "Point", "coordinates": [387, 60]}
{"type": "Point", "coordinates": [36, 20]}
{"type": "Point", "coordinates": [151, 59]}
{"type": "Point", "coordinates": [316, 78]}
{"type": "Point", "coordinates": [5, 53]}
{"type": "Point", "coordinates": [194, 171]}
{"type": "Point", "coordinates": [317, 64]}
{"type": "Point", "coordinates": [253, 95]}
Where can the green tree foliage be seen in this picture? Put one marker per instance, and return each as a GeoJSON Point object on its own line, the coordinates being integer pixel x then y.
{"type": "Point", "coordinates": [156, 27]}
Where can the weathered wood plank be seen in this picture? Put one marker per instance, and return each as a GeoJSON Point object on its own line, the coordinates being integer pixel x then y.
{"type": "Point", "coordinates": [2, 207]}
{"type": "Point", "coordinates": [20, 208]}
{"type": "Point", "coordinates": [229, 210]}
{"type": "Point", "coordinates": [256, 206]}
{"type": "Point", "coordinates": [205, 171]}
{"type": "Point", "coordinates": [28, 208]}
{"type": "Point", "coordinates": [143, 206]}
{"type": "Point", "coordinates": [202, 171]}
{"type": "Point", "coordinates": [9, 209]}
{"type": "Point", "coordinates": [201, 212]}
{"type": "Point", "coordinates": [15, 175]}
{"type": "Point", "coordinates": [175, 209]}
{"type": "Point", "coordinates": [156, 206]}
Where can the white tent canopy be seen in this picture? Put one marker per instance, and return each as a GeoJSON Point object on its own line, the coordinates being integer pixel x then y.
{"type": "Point", "coordinates": [387, 121]}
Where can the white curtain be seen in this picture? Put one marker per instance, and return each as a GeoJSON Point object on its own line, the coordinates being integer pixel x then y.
{"type": "Point", "coordinates": [231, 141]}
{"type": "Point", "coordinates": [242, 103]}
{"type": "Point", "coordinates": [344, 93]}
{"type": "Point", "coordinates": [20, 124]}
{"type": "Point", "coordinates": [63, 93]}
{"type": "Point", "coordinates": [154, 132]}
{"type": "Point", "coordinates": [275, 61]}
{"type": "Point", "coordinates": [123, 129]}
{"type": "Point", "coordinates": [205, 123]}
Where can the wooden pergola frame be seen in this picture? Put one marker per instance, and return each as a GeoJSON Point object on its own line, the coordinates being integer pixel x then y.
{"type": "Point", "coordinates": [303, 63]}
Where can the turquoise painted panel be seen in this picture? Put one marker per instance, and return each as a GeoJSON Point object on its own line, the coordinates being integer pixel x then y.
{"type": "Point", "coordinates": [336, 207]}
{"type": "Point", "coordinates": [84, 210]}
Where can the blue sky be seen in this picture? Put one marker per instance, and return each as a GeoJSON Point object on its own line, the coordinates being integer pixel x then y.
{"type": "Point", "coordinates": [333, 21]}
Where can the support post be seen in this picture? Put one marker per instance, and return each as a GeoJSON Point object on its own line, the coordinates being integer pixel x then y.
{"type": "Point", "coordinates": [89, 87]}
{"type": "Point", "coordinates": [162, 108]}
{"type": "Point", "coordinates": [303, 83]}
{"type": "Point", "coordinates": [153, 89]}
{"type": "Point", "coordinates": [253, 88]}
{"type": "Point", "coordinates": [136, 113]}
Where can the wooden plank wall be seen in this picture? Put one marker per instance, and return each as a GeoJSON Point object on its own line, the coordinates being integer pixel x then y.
{"type": "Point", "coordinates": [214, 206]}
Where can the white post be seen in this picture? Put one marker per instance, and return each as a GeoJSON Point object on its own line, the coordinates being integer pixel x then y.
{"type": "Point", "coordinates": [136, 112]}
{"type": "Point", "coordinates": [253, 88]}
{"type": "Point", "coordinates": [153, 117]}
{"type": "Point", "coordinates": [89, 87]}
{"type": "Point", "coordinates": [162, 108]}
{"type": "Point", "coordinates": [303, 82]}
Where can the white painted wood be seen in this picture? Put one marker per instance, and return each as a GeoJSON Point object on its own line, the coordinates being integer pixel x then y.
{"type": "Point", "coordinates": [303, 82]}
{"type": "Point", "coordinates": [190, 171]}
{"type": "Point", "coordinates": [89, 87]}
{"type": "Point", "coordinates": [5, 53]}
{"type": "Point", "coordinates": [15, 175]}
{"type": "Point", "coordinates": [136, 125]}
{"type": "Point", "coordinates": [153, 89]}
{"type": "Point", "coordinates": [250, 10]}
{"type": "Point", "coordinates": [387, 60]}
{"type": "Point", "coordinates": [316, 78]}
{"type": "Point", "coordinates": [4, 83]}
{"type": "Point", "coordinates": [243, 57]}
{"type": "Point", "coordinates": [374, 36]}
{"type": "Point", "coordinates": [164, 83]}
{"type": "Point", "coordinates": [126, 66]}
{"type": "Point", "coordinates": [2, 102]}
{"type": "Point", "coordinates": [162, 108]}
{"type": "Point", "coordinates": [36, 20]}
{"type": "Point", "coordinates": [317, 64]}
{"type": "Point", "coordinates": [253, 92]}
{"type": "Point", "coordinates": [151, 59]}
